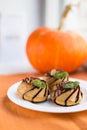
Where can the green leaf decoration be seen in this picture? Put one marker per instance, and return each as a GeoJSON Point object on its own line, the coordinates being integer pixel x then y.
{"type": "Point", "coordinates": [38, 83]}
{"type": "Point", "coordinates": [61, 75]}
{"type": "Point", "coordinates": [71, 84]}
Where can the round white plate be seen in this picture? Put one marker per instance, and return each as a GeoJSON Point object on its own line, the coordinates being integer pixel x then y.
{"type": "Point", "coordinates": [48, 106]}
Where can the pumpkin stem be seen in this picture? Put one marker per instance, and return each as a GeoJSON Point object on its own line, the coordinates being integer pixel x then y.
{"type": "Point", "coordinates": [65, 13]}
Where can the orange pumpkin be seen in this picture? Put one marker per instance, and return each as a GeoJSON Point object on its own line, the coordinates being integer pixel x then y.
{"type": "Point", "coordinates": [47, 49]}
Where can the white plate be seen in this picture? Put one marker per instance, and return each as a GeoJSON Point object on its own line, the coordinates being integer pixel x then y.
{"type": "Point", "coordinates": [49, 106]}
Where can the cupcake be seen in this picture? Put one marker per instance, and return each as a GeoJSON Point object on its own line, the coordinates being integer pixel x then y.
{"type": "Point", "coordinates": [66, 93]}
{"type": "Point", "coordinates": [33, 89]}
{"type": "Point", "coordinates": [54, 77]}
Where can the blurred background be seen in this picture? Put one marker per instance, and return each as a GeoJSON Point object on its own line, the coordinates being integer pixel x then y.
{"type": "Point", "coordinates": [18, 18]}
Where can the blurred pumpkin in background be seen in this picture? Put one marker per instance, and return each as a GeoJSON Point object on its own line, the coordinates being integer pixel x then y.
{"type": "Point", "coordinates": [48, 48]}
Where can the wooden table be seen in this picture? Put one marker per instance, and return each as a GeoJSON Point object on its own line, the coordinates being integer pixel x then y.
{"type": "Point", "coordinates": [14, 117]}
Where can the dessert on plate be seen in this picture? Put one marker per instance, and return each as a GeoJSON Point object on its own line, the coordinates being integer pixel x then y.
{"type": "Point", "coordinates": [33, 89]}
{"type": "Point", "coordinates": [66, 93]}
{"type": "Point", "coordinates": [54, 77]}
{"type": "Point", "coordinates": [54, 83]}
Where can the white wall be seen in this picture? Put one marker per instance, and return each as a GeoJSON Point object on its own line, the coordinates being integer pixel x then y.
{"type": "Point", "coordinates": [77, 17]}
{"type": "Point", "coordinates": [52, 13]}
{"type": "Point", "coordinates": [18, 18]}
{"type": "Point", "coordinates": [17, 21]}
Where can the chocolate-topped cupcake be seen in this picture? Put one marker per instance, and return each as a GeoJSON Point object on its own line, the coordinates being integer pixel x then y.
{"type": "Point", "coordinates": [66, 93]}
{"type": "Point", "coordinates": [33, 89]}
{"type": "Point", "coordinates": [54, 77]}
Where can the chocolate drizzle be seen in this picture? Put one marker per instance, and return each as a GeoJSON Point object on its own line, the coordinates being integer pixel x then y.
{"type": "Point", "coordinates": [26, 80]}
{"type": "Point", "coordinates": [61, 90]}
{"type": "Point", "coordinates": [74, 90]}
{"type": "Point", "coordinates": [48, 74]}
{"type": "Point", "coordinates": [36, 92]}
{"type": "Point", "coordinates": [45, 91]}
{"type": "Point", "coordinates": [77, 97]}
{"type": "Point", "coordinates": [28, 91]}
{"type": "Point", "coordinates": [50, 77]}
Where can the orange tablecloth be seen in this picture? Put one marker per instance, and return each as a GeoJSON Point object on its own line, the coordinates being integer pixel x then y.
{"type": "Point", "coordinates": [14, 117]}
